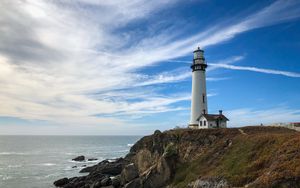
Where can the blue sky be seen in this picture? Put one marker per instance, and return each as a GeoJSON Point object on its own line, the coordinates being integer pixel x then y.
{"type": "Point", "coordinates": [123, 67]}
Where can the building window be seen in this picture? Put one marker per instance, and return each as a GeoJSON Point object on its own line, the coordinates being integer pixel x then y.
{"type": "Point", "coordinates": [200, 123]}
{"type": "Point", "coordinates": [210, 125]}
{"type": "Point", "coordinates": [204, 123]}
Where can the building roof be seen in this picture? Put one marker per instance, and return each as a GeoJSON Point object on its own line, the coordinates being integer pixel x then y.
{"type": "Point", "coordinates": [213, 117]}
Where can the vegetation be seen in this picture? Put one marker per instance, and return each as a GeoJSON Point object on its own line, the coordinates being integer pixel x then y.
{"type": "Point", "coordinates": [170, 150]}
{"type": "Point", "coordinates": [265, 155]}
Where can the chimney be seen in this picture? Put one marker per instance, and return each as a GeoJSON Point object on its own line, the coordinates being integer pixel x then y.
{"type": "Point", "coordinates": [204, 112]}
{"type": "Point", "coordinates": [220, 112]}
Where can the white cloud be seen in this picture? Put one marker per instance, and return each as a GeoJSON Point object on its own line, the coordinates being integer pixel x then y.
{"type": "Point", "coordinates": [255, 69]}
{"type": "Point", "coordinates": [63, 62]}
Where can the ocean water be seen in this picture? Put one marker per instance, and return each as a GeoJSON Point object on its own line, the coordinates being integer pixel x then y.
{"type": "Point", "coordinates": [37, 161]}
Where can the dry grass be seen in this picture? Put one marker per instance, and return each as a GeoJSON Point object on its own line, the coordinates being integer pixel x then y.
{"type": "Point", "coordinates": [265, 153]}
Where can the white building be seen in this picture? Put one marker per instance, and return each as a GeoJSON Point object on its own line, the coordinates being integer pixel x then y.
{"type": "Point", "coordinates": [199, 116]}
{"type": "Point", "coordinates": [206, 121]}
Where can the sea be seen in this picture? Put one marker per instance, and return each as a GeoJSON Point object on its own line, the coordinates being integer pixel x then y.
{"type": "Point", "coordinates": [37, 161]}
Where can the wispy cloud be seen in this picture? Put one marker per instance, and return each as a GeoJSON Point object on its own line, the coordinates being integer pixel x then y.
{"type": "Point", "coordinates": [255, 69]}
{"type": "Point", "coordinates": [64, 62]}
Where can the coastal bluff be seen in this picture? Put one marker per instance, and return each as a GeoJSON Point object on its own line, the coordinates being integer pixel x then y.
{"type": "Point", "coordinates": [255, 156]}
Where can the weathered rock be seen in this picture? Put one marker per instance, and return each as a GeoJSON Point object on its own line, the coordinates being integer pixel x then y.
{"type": "Point", "coordinates": [111, 169]}
{"type": "Point", "coordinates": [136, 183]}
{"type": "Point", "coordinates": [198, 153]}
{"type": "Point", "coordinates": [116, 181]}
{"type": "Point", "coordinates": [80, 184]}
{"type": "Point", "coordinates": [106, 181]}
{"type": "Point", "coordinates": [95, 167]}
{"type": "Point", "coordinates": [61, 182]}
{"type": "Point", "coordinates": [161, 173]}
{"type": "Point", "coordinates": [96, 184]}
{"type": "Point", "coordinates": [87, 169]}
{"type": "Point", "coordinates": [74, 166]}
{"type": "Point", "coordinates": [79, 158]}
{"type": "Point", "coordinates": [92, 159]}
{"type": "Point", "coordinates": [129, 173]}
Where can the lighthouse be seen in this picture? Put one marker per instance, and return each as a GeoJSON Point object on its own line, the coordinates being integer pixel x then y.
{"type": "Point", "coordinates": [199, 97]}
{"type": "Point", "coordinates": [200, 119]}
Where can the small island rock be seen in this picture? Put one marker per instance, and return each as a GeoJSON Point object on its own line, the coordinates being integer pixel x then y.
{"type": "Point", "coordinates": [79, 158]}
{"type": "Point", "coordinates": [92, 159]}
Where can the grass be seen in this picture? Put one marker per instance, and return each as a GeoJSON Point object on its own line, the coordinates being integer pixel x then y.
{"type": "Point", "coordinates": [245, 160]}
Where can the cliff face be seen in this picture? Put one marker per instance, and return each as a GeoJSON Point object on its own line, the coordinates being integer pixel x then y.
{"type": "Point", "coordinates": [235, 157]}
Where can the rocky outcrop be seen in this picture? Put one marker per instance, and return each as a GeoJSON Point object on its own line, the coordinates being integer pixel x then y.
{"type": "Point", "coordinates": [61, 182]}
{"type": "Point", "coordinates": [214, 158]}
{"type": "Point", "coordinates": [129, 173]}
{"type": "Point", "coordinates": [92, 159]}
{"type": "Point", "coordinates": [100, 175]}
{"type": "Point", "coordinates": [79, 158]}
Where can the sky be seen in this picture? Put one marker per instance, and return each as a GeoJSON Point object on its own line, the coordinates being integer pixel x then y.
{"type": "Point", "coordinates": [119, 67]}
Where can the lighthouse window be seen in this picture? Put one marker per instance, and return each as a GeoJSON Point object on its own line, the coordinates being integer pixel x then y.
{"type": "Point", "coordinates": [203, 98]}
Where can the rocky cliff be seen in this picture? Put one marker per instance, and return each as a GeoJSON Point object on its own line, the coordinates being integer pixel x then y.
{"type": "Point", "coordinates": [235, 157]}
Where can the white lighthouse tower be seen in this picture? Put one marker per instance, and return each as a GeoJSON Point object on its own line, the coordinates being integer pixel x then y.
{"type": "Point", "coordinates": [199, 98]}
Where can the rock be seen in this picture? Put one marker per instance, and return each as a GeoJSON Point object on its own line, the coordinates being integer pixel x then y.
{"type": "Point", "coordinates": [79, 158]}
{"type": "Point", "coordinates": [74, 166]}
{"type": "Point", "coordinates": [95, 167]}
{"type": "Point", "coordinates": [92, 159]}
{"type": "Point", "coordinates": [157, 132]}
{"type": "Point", "coordinates": [160, 156]}
{"type": "Point", "coordinates": [116, 181]}
{"type": "Point", "coordinates": [83, 166]}
{"type": "Point", "coordinates": [80, 184]}
{"type": "Point", "coordinates": [106, 181]}
{"type": "Point", "coordinates": [129, 173]}
{"type": "Point", "coordinates": [87, 169]}
{"type": "Point", "coordinates": [96, 184]}
{"type": "Point", "coordinates": [136, 183]}
{"type": "Point", "coordinates": [112, 169]}
{"type": "Point", "coordinates": [209, 183]}
{"type": "Point", "coordinates": [61, 182]}
{"type": "Point", "coordinates": [161, 173]}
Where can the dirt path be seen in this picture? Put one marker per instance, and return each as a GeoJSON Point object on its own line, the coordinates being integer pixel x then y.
{"type": "Point", "coordinates": [242, 132]}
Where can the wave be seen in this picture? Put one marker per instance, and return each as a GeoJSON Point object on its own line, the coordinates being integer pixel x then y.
{"type": "Point", "coordinates": [71, 168]}
{"type": "Point", "coordinates": [79, 162]}
{"type": "Point", "coordinates": [85, 161]}
{"type": "Point", "coordinates": [6, 177]}
{"type": "Point", "coordinates": [47, 164]}
{"type": "Point", "coordinates": [130, 145]}
{"type": "Point", "coordinates": [13, 153]}
{"type": "Point", "coordinates": [14, 166]}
